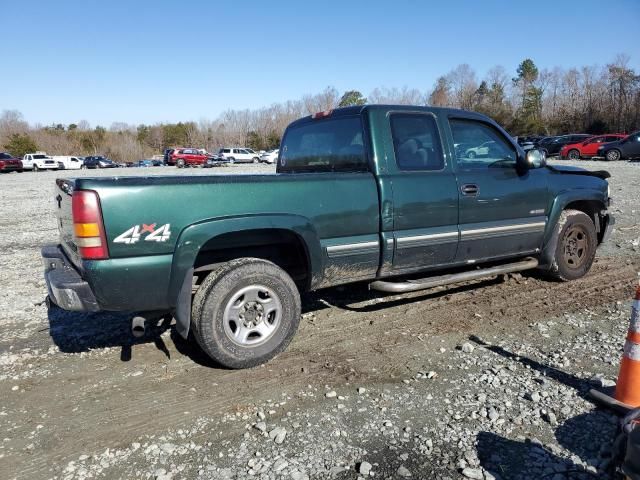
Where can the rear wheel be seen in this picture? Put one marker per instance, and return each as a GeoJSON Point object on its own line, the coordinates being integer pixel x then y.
{"type": "Point", "coordinates": [245, 312]}
{"type": "Point", "coordinates": [576, 248]}
{"type": "Point", "coordinates": [256, 160]}
{"type": "Point", "coordinates": [613, 155]}
{"type": "Point", "coordinates": [573, 155]}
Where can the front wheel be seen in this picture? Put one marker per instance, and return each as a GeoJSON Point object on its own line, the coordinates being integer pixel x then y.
{"type": "Point", "coordinates": [471, 155]}
{"type": "Point", "coordinates": [613, 155]}
{"type": "Point", "coordinates": [180, 163]}
{"type": "Point", "coordinates": [35, 168]}
{"type": "Point", "coordinates": [232, 160]}
{"type": "Point", "coordinates": [573, 155]}
{"type": "Point", "coordinates": [576, 247]}
{"type": "Point", "coordinates": [245, 312]}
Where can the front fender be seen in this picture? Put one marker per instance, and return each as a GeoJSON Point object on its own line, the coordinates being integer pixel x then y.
{"type": "Point", "coordinates": [193, 237]}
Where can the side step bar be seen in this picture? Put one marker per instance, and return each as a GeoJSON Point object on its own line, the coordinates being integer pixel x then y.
{"type": "Point", "coordinates": [429, 282]}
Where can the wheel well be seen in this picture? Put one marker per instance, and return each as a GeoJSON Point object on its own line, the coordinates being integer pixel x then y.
{"type": "Point", "coordinates": [282, 247]}
{"type": "Point", "coordinates": [592, 208]}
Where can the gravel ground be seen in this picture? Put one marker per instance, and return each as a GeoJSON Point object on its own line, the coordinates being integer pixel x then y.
{"type": "Point", "coordinates": [483, 380]}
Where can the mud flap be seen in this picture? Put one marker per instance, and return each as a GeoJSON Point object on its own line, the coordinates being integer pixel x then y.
{"type": "Point", "coordinates": [183, 307]}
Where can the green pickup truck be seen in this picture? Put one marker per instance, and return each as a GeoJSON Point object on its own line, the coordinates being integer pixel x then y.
{"type": "Point", "coordinates": [382, 194]}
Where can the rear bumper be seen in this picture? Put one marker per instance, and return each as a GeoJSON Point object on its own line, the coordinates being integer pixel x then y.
{"type": "Point", "coordinates": [66, 286]}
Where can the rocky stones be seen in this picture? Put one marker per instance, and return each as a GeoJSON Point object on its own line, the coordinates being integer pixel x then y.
{"type": "Point", "coordinates": [403, 472]}
{"type": "Point", "coordinates": [364, 468]}
{"type": "Point", "coordinates": [278, 434]}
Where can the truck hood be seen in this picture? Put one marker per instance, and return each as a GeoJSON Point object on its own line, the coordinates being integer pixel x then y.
{"type": "Point", "coordinates": [568, 170]}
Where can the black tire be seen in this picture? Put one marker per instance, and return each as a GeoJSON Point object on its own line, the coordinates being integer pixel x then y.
{"type": "Point", "coordinates": [613, 155]}
{"type": "Point", "coordinates": [35, 168]}
{"type": "Point", "coordinates": [256, 160]}
{"type": "Point", "coordinates": [216, 295]}
{"type": "Point", "coordinates": [573, 154]}
{"type": "Point", "coordinates": [471, 154]}
{"type": "Point", "coordinates": [180, 163]}
{"type": "Point", "coordinates": [576, 246]}
{"type": "Point", "coordinates": [232, 160]}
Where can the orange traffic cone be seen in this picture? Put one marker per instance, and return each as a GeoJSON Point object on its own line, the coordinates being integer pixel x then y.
{"type": "Point", "coordinates": [627, 396]}
{"type": "Point", "coordinates": [628, 385]}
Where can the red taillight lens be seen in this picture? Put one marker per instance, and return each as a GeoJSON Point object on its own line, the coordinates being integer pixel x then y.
{"type": "Point", "coordinates": [324, 114]}
{"type": "Point", "coordinates": [88, 228]}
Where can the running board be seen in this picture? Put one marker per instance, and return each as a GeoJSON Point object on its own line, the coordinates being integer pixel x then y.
{"type": "Point", "coordinates": [429, 282]}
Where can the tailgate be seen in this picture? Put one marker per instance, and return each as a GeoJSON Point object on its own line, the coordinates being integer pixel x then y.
{"type": "Point", "coordinates": [63, 193]}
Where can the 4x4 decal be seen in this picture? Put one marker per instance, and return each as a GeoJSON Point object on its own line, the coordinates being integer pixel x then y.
{"type": "Point", "coordinates": [133, 235]}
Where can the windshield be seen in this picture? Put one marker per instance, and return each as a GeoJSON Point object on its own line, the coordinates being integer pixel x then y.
{"type": "Point", "coordinates": [39, 157]}
{"type": "Point", "coordinates": [5, 156]}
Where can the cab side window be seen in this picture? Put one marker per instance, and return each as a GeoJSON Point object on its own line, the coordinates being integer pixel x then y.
{"type": "Point", "coordinates": [416, 141]}
{"type": "Point", "coordinates": [479, 145]}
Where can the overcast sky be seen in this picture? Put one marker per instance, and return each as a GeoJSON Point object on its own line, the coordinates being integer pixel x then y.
{"type": "Point", "coordinates": [153, 61]}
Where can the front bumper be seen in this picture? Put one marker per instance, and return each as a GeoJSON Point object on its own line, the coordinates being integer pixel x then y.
{"type": "Point", "coordinates": [66, 287]}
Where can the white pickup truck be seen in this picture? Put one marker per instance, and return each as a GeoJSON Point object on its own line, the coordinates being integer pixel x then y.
{"type": "Point", "coordinates": [38, 161]}
{"type": "Point", "coordinates": [66, 162]}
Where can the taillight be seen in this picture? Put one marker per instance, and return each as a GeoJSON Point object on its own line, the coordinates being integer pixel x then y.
{"type": "Point", "coordinates": [88, 228]}
{"type": "Point", "coordinates": [324, 114]}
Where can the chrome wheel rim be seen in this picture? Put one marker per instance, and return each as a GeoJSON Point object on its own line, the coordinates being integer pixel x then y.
{"type": "Point", "coordinates": [573, 155]}
{"type": "Point", "coordinates": [575, 246]}
{"type": "Point", "coordinates": [612, 155]}
{"type": "Point", "coordinates": [252, 315]}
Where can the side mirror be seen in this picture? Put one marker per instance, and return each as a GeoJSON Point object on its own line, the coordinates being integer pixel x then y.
{"type": "Point", "coordinates": [535, 158]}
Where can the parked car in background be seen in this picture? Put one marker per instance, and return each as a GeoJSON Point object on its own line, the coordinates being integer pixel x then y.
{"type": "Point", "coordinates": [589, 147]}
{"type": "Point", "coordinates": [66, 162]}
{"type": "Point", "coordinates": [38, 161]}
{"type": "Point", "coordinates": [238, 155]}
{"type": "Point", "coordinates": [167, 156]}
{"type": "Point", "coordinates": [98, 161]}
{"type": "Point", "coordinates": [143, 163]}
{"type": "Point", "coordinates": [9, 163]}
{"type": "Point", "coordinates": [188, 157]}
{"type": "Point", "coordinates": [552, 147]}
{"type": "Point", "coordinates": [270, 157]}
{"type": "Point", "coordinates": [626, 148]}
{"type": "Point", "coordinates": [215, 161]}
{"type": "Point", "coordinates": [481, 150]}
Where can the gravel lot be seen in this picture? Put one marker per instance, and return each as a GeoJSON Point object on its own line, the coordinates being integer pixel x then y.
{"type": "Point", "coordinates": [457, 382]}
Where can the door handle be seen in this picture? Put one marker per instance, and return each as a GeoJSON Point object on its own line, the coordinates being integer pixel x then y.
{"type": "Point", "coordinates": [470, 189]}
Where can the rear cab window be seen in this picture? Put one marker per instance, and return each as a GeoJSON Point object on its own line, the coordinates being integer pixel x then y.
{"type": "Point", "coordinates": [416, 141]}
{"type": "Point", "coordinates": [324, 145]}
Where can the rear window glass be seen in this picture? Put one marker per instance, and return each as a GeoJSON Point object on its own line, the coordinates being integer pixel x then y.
{"type": "Point", "coordinates": [328, 145]}
{"type": "Point", "coordinates": [5, 156]}
{"type": "Point", "coordinates": [416, 142]}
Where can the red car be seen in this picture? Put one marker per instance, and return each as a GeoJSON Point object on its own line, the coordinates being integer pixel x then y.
{"type": "Point", "coordinates": [188, 157]}
{"type": "Point", "coordinates": [588, 148]}
{"type": "Point", "coordinates": [8, 163]}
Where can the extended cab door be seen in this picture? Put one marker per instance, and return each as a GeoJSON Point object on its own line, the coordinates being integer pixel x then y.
{"type": "Point", "coordinates": [424, 191]}
{"type": "Point", "coordinates": [502, 211]}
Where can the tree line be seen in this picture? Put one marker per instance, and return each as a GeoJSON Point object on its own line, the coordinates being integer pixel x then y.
{"type": "Point", "coordinates": [589, 99]}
